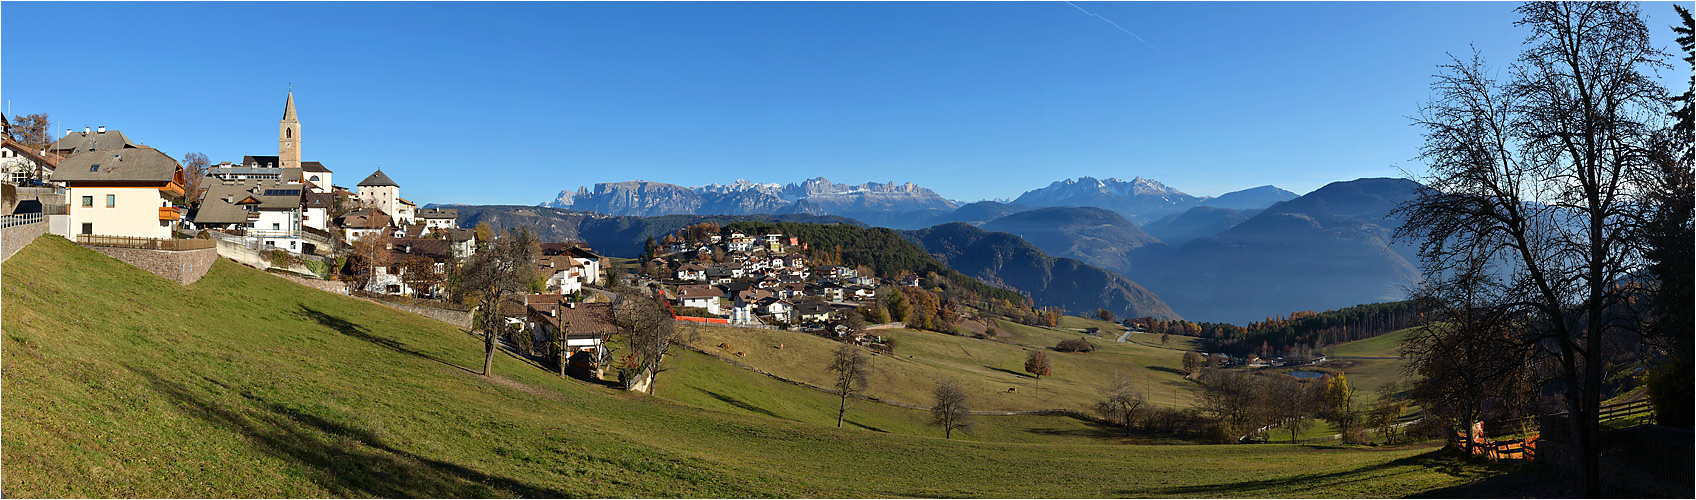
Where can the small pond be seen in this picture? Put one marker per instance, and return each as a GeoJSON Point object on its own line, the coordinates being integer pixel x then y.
{"type": "Point", "coordinates": [1306, 374]}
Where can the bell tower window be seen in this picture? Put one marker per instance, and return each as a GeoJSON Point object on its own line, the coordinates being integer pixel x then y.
{"type": "Point", "coordinates": [288, 133]}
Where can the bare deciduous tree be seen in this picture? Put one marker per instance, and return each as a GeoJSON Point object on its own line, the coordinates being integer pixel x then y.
{"type": "Point", "coordinates": [649, 332]}
{"type": "Point", "coordinates": [370, 253]}
{"type": "Point", "coordinates": [501, 269]}
{"type": "Point", "coordinates": [851, 368]}
{"type": "Point", "coordinates": [1537, 174]}
{"type": "Point", "coordinates": [1192, 363]}
{"type": "Point", "coordinates": [1121, 403]}
{"type": "Point", "coordinates": [950, 411]}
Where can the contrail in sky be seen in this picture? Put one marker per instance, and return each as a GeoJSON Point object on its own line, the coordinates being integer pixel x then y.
{"type": "Point", "coordinates": [1115, 25]}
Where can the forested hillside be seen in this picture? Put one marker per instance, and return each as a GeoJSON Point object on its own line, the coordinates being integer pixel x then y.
{"type": "Point", "coordinates": [1007, 260]}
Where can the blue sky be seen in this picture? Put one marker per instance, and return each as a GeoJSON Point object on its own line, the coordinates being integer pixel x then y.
{"type": "Point", "coordinates": [509, 103]}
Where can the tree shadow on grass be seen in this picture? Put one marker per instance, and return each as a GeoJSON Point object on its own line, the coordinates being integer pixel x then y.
{"type": "Point", "coordinates": [864, 426]}
{"type": "Point", "coordinates": [1004, 370]}
{"type": "Point", "coordinates": [1092, 429]}
{"type": "Point", "coordinates": [1301, 482]}
{"type": "Point", "coordinates": [352, 329]}
{"type": "Point", "coordinates": [733, 401]}
{"type": "Point", "coordinates": [1170, 370]}
{"type": "Point", "coordinates": [346, 460]}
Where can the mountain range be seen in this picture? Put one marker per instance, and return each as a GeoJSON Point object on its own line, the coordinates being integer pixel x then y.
{"type": "Point", "coordinates": [899, 206]}
{"type": "Point", "coordinates": [817, 196]}
{"type": "Point", "coordinates": [1240, 257]}
{"type": "Point", "coordinates": [1327, 249]}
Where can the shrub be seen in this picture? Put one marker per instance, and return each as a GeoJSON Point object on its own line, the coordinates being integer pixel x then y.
{"type": "Point", "coordinates": [318, 267]}
{"type": "Point", "coordinates": [1074, 345]}
{"type": "Point", "coordinates": [282, 259]}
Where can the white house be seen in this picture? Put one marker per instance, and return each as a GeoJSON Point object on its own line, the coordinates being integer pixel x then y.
{"type": "Point", "coordinates": [591, 263]}
{"type": "Point", "coordinates": [691, 272]}
{"type": "Point", "coordinates": [365, 221]}
{"type": "Point", "coordinates": [20, 164]}
{"type": "Point", "coordinates": [702, 296]}
{"type": "Point", "coordinates": [443, 218]}
{"type": "Point", "coordinates": [123, 192]}
{"type": "Point", "coordinates": [381, 192]}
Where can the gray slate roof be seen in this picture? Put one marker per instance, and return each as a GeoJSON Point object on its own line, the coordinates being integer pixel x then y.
{"type": "Point", "coordinates": [439, 213]}
{"type": "Point", "coordinates": [221, 205]}
{"type": "Point", "coordinates": [378, 179]}
{"type": "Point", "coordinates": [121, 165]}
{"type": "Point", "coordinates": [262, 161]}
{"type": "Point", "coordinates": [82, 142]}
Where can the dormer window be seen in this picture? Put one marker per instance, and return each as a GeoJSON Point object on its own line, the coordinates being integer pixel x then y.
{"type": "Point", "coordinates": [94, 167]}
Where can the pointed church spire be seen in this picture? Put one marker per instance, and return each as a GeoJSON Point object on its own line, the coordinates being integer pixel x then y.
{"type": "Point", "coordinates": [288, 109]}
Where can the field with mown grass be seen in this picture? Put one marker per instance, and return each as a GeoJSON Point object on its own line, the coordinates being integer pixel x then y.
{"type": "Point", "coordinates": [121, 384]}
{"type": "Point", "coordinates": [985, 368]}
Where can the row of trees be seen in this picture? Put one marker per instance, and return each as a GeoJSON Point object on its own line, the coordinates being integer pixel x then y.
{"type": "Point", "coordinates": [1250, 404]}
{"type": "Point", "coordinates": [851, 368]}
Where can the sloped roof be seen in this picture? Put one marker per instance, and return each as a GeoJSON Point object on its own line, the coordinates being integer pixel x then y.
{"type": "Point", "coordinates": [378, 179]}
{"type": "Point", "coordinates": [132, 164]}
{"type": "Point", "coordinates": [430, 248]}
{"type": "Point", "coordinates": [319, 200]}
{"type": "Point", "coordinates": [83, 142]}
{"type": "Point", "coordinates": [439, 213]}
{"type": "Point", "coordinates": [585, 319]}
{"type": "Point", "coordinates": [221, 204]}
{"type": "Point", "coordinates": [312, 166]}
{"type": "Point", "coordinates": [50, 161]}
{"type": "Point", "coordinates": [581, 253]}
{"type": "Point", "coordinates": [698, 292]}
{"type": "Point", "coordinates": [456, 234]}
{"type": "Point", "coordinates": [366, 218]}
{"type": "Point", "coordinates": [262, 161]}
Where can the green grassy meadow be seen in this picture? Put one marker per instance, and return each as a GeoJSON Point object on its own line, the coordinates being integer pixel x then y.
{"type": "Point", "coordinates": [121, 384]}
{"type": "Point", "coordinates": [985, 368]}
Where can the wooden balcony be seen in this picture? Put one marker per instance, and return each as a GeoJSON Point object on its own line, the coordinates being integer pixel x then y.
{"type": "Point", "coordinates": [170, 213]}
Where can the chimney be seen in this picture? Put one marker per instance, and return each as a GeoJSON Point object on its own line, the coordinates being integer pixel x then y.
{"type": "Point", "coordinates": [85, 130]}
{"type": "Point", "coordinates": [572, 305]}
{"type": "Point", "coordinates": [67, 132]}
{"type": "Point", "coordinates": [102, 129]}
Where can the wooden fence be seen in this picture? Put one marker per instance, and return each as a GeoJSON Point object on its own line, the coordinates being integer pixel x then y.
{"type": "Point", "coordinates": [142, 243]}
{"type": "Point", "coordinates": [1639, 410]}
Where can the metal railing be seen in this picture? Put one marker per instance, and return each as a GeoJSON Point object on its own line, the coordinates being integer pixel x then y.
{"type": "Point", "coordinates": [41, 191]}
{"type": "Point", "coordinates": [100, 240]}
{"type": "Point", "coordinates": [22, 219]}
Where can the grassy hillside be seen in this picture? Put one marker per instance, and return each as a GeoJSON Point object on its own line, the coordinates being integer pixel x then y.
{"type": "Point", "coordinates": [118, 383]}
{"type": "Point", "coordinates": [1382, 346]}
{"type": "Point", "coordinates": [986, 369]}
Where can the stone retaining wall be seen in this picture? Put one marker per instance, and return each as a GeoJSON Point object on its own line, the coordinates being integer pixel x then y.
{"type": "Point", "coordinates": [332, 286]}
{"type": "Point", "coordinates": [182, 266]}
{"type": "Point", "coordinates": [460, 319]}
{"type": "Point", "coordinates": [16, 237]}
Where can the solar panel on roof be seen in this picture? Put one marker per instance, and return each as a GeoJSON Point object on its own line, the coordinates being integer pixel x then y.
{"type": "Point", "coordinates": [282, 192]}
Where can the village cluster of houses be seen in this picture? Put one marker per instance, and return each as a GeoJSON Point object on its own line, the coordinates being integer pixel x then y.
{"type": "Point", "coordinates": [112, 187]}
{"type": "Point", "coordinates": [762, 279]}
